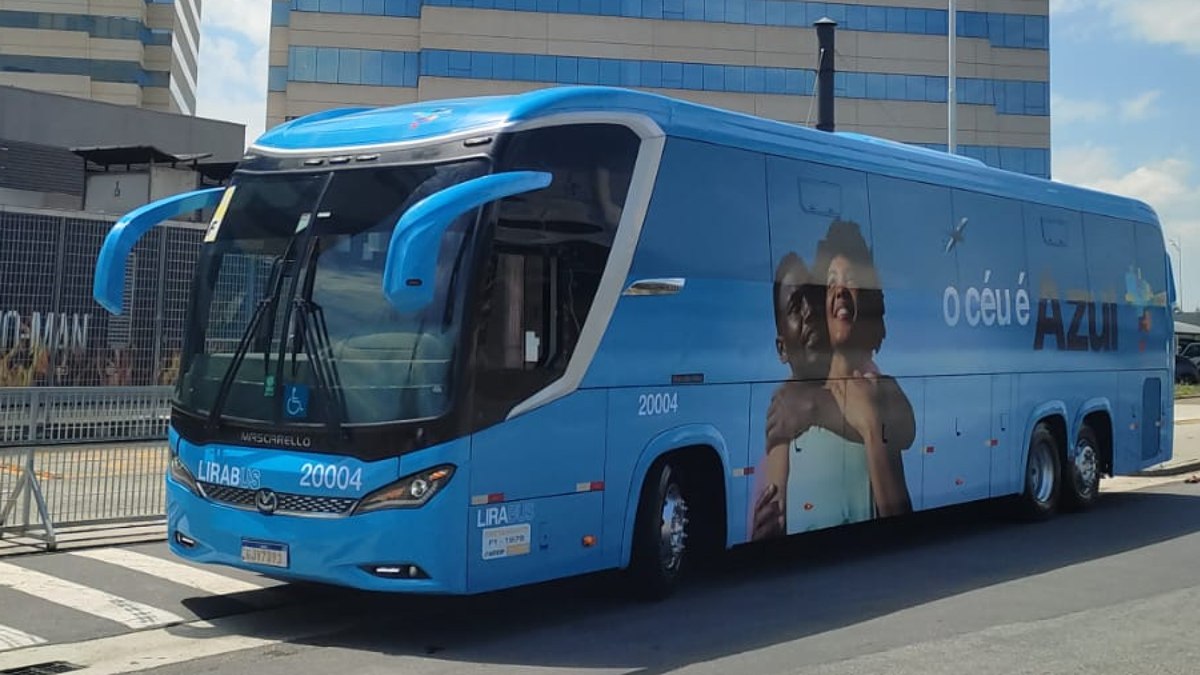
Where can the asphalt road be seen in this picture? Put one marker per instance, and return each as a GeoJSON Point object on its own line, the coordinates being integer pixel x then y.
{"type": "Point", "coordinates": [1115, 590]}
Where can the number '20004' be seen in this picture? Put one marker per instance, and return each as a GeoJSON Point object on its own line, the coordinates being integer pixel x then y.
{"type": "Point", "coordinates": [657, 404]}
{"type": "Point", "coordinates": [330, 476]}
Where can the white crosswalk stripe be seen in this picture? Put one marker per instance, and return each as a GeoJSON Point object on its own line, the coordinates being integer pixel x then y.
{"type": "Point", "coordinates": [83, 598]}
{"type": "Point", "coordinates": [179, 573]}
{"type": "Point", "coordinates": [11, 638]}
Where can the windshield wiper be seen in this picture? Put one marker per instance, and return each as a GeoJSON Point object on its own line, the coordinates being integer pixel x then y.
{"type": "Point", "coordinates": [315, 337]}
{"type": "Point", "coordinates": [267, 303]}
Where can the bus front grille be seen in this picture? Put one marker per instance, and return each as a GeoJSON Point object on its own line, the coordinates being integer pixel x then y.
{"type": "Point", "coordinates": [287, 504]}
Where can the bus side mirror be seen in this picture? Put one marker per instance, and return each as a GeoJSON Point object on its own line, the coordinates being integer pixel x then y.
{"type": "Point", "coordinates": [408, 274]}
{"type": "Point", "coordinates": [108, 286]}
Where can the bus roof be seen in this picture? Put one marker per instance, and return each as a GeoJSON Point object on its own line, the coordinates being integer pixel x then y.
{"type": "Point", "coordinates": [356, 129]}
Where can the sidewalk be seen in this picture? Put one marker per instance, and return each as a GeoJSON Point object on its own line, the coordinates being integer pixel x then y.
{"type": "Point", "coordinates": [1185, 455]}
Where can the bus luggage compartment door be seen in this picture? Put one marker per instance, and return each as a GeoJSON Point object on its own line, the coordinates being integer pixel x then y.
{"type": "Point", "coordinates": [1151, 418]}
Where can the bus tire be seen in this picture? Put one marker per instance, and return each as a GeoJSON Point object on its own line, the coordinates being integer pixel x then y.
{"type": "Point", "coordinates": [660, 533]}
{"type": "Point", "coordinates": [1081, 484]}
{"type": "Point", "coordinates": [1042, 481]}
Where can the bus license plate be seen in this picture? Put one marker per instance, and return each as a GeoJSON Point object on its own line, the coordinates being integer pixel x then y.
{"type": "Point", "coordinates": [264, 553]}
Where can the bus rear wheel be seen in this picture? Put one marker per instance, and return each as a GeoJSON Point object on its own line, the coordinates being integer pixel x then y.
{"type": "Point", "coordinates": [1038, 499]}
{"type": "Point", "coordinates": [661, 532]}
{"type": "Point", "coordinates": [1082, 484]}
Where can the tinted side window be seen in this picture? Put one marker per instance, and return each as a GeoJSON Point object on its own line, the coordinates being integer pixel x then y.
{"type": "Point", "coordinates": [545, 259]}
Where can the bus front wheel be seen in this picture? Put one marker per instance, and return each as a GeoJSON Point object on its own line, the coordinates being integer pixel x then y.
{"type": "Point", "coordinates": [1043, 475]}
{"type": "Point", "coordinates": [661, 532]}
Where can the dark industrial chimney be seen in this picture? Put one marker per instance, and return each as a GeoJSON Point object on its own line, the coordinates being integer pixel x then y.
{"type": "Point", "coordinates": [825, 71]}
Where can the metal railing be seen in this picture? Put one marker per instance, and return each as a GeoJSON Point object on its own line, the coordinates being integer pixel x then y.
{"type": "Point", "coordinates": [84, 395]}
{"type": "Point", "coordinates": [81, 456]}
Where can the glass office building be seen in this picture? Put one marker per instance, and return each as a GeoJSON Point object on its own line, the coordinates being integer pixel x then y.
{"type": "Point", "coordinates": [130, 52]}
{"type": "Point", "coordinates": [756, 56]}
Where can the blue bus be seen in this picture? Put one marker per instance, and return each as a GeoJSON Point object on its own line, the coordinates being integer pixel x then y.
{"type": "Point", "coordinates": [463, 345]}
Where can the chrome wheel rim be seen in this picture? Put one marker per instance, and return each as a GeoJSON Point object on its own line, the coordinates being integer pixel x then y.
{"type": "Point", "coordinates": [1085, 468]}
{"type": "Point", "coordinates": [674, 528]}
{"type": "Point", "coordinates": [1041, 474]}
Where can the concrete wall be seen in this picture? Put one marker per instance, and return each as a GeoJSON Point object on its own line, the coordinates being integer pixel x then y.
{"type": "Point", "coordinates": [37, 117]}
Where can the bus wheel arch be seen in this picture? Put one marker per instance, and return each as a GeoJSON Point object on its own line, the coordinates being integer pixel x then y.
{"type": "Point", "coordinates": [679, 518]}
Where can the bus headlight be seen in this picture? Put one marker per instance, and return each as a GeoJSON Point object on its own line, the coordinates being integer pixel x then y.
{"type": "Point", "coordinates": [180, 473]}
{"type": "Point", "coordinates": [408, 492]}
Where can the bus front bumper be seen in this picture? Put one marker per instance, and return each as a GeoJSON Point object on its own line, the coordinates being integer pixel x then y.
{"type": "Point", "coordinates": [374, 551]}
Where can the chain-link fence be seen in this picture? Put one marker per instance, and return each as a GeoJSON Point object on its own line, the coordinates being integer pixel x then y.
{"type": "Point", "coordinates": [84, 395]}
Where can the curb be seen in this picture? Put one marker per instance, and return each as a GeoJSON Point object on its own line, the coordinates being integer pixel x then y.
{"type": "Point", "coordinates": [1186, 467]}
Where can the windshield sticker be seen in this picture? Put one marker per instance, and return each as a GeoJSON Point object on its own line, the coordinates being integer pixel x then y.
{"type": "Point", "coordinates": [302, 224]}
{"type": "Point", "coordinates": [214, 225]}
{"type": "Point", "coordinates": [295, 401]}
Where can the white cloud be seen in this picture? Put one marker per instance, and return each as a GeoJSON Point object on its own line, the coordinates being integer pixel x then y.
{"type": "Point", "coordinates": [1169, 22]}
{"type": "Point", "coordinates": [1170, 185]}
{"type": "Point", "coordinates": [1068, 6]}
{"type": "Point", "coordinates": [234, 46]}
{"type": "Point", "coordinates": [1068, 110]}
{"type": "Point", "coordinates": [242, 16]}
{"type": "Point", "coordinates": [1174, 22]}
{"type": "Point", "coordinates": [1141, 107]}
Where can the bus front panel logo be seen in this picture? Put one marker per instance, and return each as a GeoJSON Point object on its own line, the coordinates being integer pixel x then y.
{"type": "Point", "coordinates": [266, 501]}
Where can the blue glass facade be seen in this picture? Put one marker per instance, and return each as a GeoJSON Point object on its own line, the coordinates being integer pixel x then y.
{"type": "Point", "coordinates": [405, 8]}
{"type": "Point", "coordinates": [100, 70]}
{"type": "Point", "coordinates": [334, 65]}
{"type": "Point", "coordinates": [1027, 98]}
{"type": "Point", "coordinates": [1032, 161]}
{"type": "Point", "coordinates": [111, 27]}
{"type": "Point", "coordinates": [1019, 31]}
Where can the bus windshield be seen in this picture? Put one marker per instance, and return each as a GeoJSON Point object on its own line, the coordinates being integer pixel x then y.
{"type": "Point", "coordinates": [288, 324]}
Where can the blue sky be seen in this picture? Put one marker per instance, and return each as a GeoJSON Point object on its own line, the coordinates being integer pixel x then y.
{"type": "Point", "coordinates": [1124, 81]}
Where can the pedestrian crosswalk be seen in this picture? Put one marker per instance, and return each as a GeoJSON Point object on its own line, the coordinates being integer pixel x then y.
{"type": "Point", "coordinates": [180, 573]}
{"type": "Point", "coordinates": [84, 598]}
{"type": "Point", "coordinates": [92, 593]}
{"type": "Point", "coordinates": [11, 638]}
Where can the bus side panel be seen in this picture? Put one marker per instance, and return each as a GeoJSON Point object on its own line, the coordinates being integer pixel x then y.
{"type": "Point", "coordinates": [536, 492]}
{"type": "Point", "coordinates": [533, 540]}
{"type": "Point", "coordinates": [681, 361]}
{"type": "Point", "coordinates": [648, 422]}
{"type": "Point", "coordinates": [706, 224]}
{"type": "Point", "coordinates": [957, 452]}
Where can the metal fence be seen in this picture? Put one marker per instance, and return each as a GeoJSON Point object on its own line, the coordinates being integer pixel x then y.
{"type": "Point", "coordinates": [84, 395]}
{"type": "Point", "coordinates": [60, 415]}
{"type": "Point", "coordinates": [53, 333]}
{"type": "Point", "coordinates": [46, 489]}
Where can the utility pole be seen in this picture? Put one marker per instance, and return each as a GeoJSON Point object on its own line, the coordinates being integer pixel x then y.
{"type": "Point", "coordinates": [1179, 251]}
{"type": "Point", "coordinates": [951, 81]}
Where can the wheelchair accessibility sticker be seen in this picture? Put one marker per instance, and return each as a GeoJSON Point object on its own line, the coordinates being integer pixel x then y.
{"type": "Point", "coordinates": [295, 401]}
